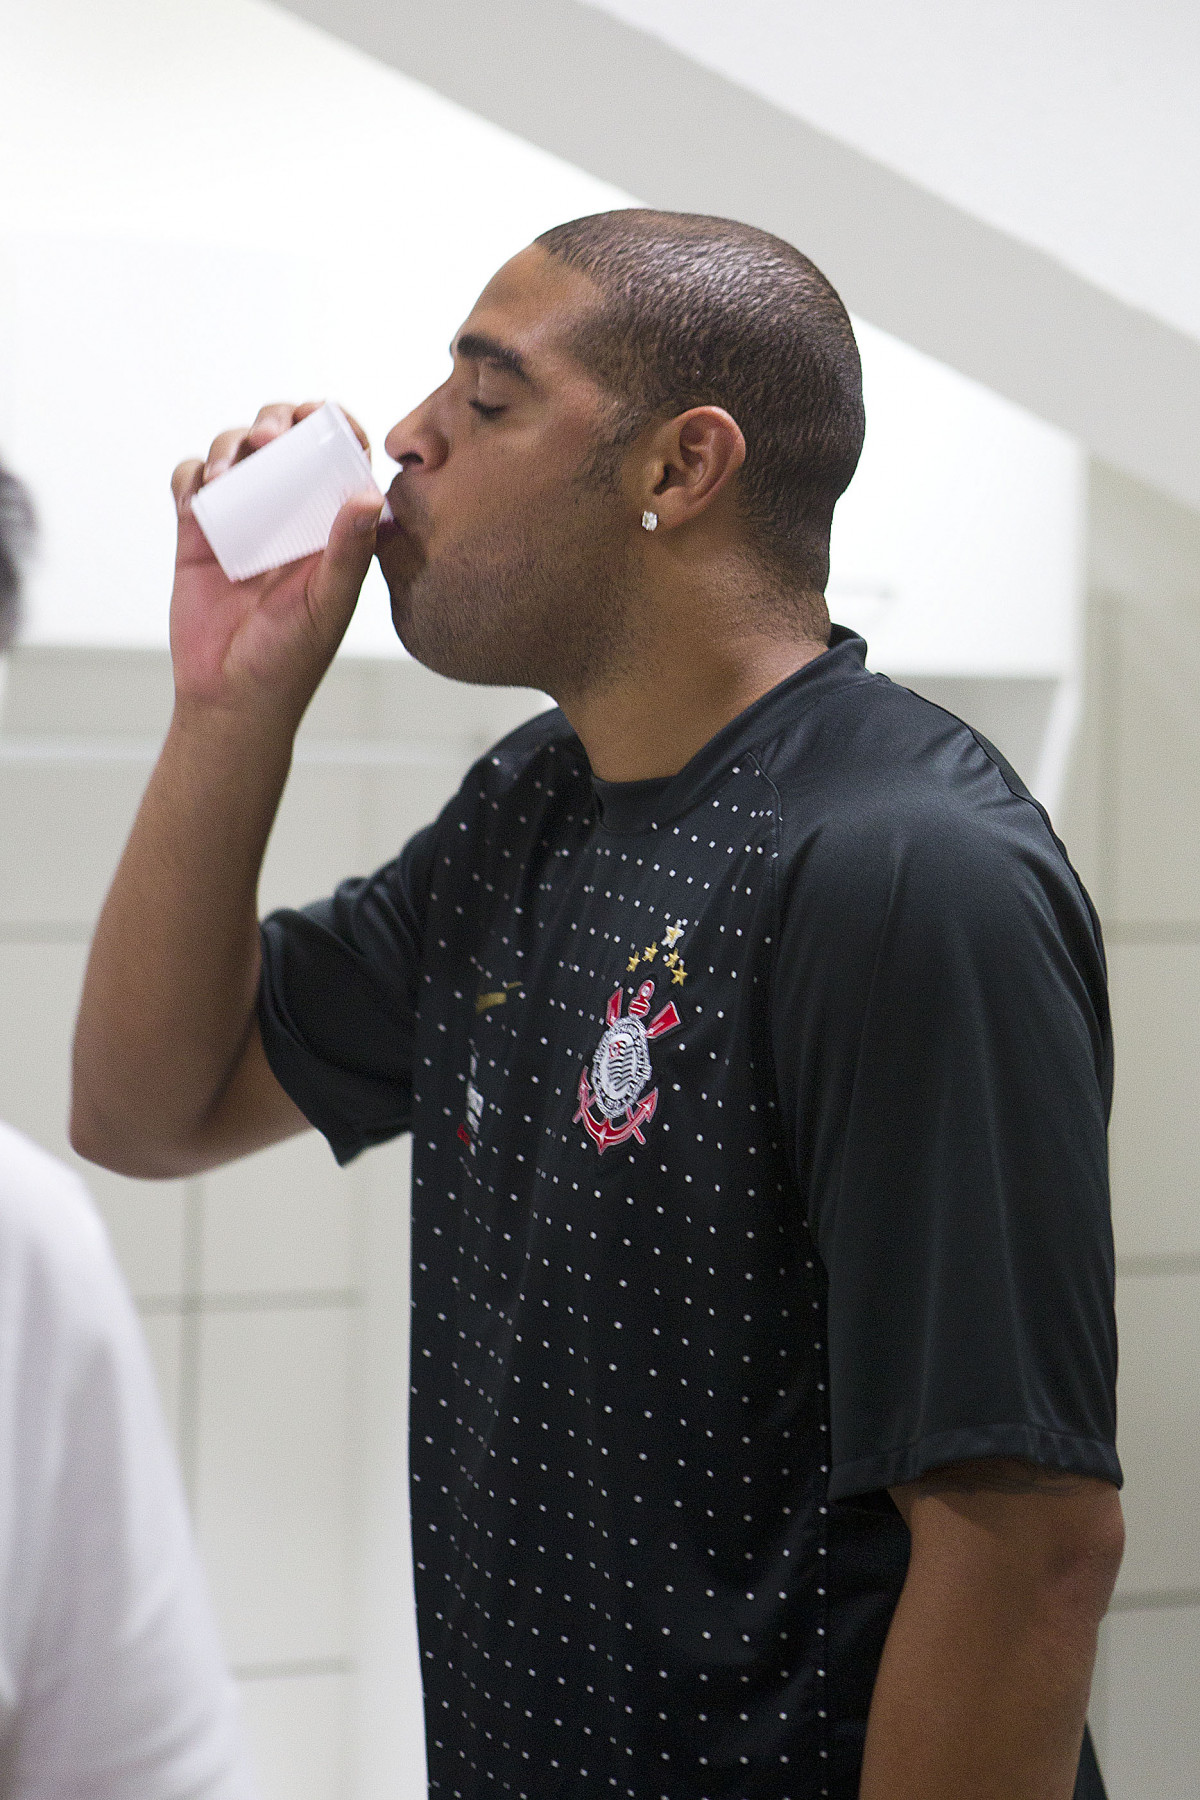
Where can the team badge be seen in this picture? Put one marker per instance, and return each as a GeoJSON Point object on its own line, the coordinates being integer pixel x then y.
{"type": "Point", "coordinates": [613, 1105]}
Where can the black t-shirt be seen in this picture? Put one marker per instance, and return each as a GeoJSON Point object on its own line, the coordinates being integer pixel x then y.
{"type": "Point", "coordinates": [759, 1164]}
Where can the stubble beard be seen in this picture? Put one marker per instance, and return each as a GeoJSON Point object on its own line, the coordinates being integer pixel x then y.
{"type": "Point", "coordinates": [542, 599]}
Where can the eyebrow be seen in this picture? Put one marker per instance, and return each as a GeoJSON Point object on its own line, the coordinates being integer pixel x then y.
{"type": "Point", "coordinates": [476, 346]}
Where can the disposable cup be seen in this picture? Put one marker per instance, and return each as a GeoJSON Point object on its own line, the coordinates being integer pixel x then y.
{"type": "Point", "coordinates": [280, 503]}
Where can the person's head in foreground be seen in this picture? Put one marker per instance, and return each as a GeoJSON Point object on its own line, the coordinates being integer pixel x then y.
{"type": "Point", "coordinates": [16, 532]}
{"type": "Point", "coordinates": [641, 403]}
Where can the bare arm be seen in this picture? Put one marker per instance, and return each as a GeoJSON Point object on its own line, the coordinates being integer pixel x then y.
{"type": "Point", "coordinates": [170, 1073]}
{"type": "Point", "coordinates": [983, 1685]}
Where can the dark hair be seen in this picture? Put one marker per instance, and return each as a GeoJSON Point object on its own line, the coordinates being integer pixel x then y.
{"type": "Point", "coordinates": [16, 533]}
{"type": "Point", "coordinates": [696, 310]}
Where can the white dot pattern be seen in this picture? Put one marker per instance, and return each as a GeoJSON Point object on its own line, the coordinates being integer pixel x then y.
{"type": "Point", "coordinates": [619, 1407]}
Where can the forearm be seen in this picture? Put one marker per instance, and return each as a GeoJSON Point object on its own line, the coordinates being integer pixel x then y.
{"type": "Point", "coordinates": [983, 1686]}
{"type": "Point", "coordinates": [972, 1703]}
{"type": "Point", "coordinates": [168, 1001]}
{"type": "Point", "coordinates": [170, 1072]}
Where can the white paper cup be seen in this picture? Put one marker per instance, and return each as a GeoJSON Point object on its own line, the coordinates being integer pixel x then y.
{"type": "Point", "coordinates": [280, 503]}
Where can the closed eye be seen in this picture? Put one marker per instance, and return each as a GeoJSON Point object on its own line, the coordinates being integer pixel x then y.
{"type": "Point", "coordinates": [486, 412]}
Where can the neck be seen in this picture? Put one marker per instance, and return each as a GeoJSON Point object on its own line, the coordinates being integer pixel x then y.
{"type": "Point", "coordinates": [672, 700]}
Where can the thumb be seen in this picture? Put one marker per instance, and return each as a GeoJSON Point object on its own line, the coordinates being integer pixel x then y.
{"type": "Point", "coordinates": [347, 556]}
{"type": "Point", "coordinates": [191, 544]}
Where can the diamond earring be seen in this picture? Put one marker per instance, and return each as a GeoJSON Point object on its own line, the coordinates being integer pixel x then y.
{"type": "Point", "coordinates": [649, 521]}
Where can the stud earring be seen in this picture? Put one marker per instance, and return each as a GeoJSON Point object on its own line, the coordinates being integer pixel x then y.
{"type": "Point", "coordinates": [649, 521]}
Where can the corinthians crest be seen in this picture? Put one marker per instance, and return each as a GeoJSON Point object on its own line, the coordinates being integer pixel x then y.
{"type": "Point", "coordinates": [612, 1106]}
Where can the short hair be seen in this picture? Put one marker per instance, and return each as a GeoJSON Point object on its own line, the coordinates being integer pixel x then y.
{"type": "Point", "coordinates": [16, 534]}
{"type": "Point", "coordinates": [700, 311]}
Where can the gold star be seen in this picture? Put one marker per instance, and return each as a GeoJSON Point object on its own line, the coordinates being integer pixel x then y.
{"type": "Point", "coordinates": [650, 952]}
{"type": "Point", "coordinates": [633, 962]}
{"type": "Point", "coordinates": [680, 975]}
{"type": "Point", "coordinates": [671, 958]}
{"type": "Point", "coordinates": [672, 934]}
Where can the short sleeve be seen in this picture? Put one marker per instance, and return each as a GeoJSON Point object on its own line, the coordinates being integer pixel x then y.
{"type": "Point", "coordinates": [942, 1045]}
{"type": "Point", "coordinates": [338, 1000]}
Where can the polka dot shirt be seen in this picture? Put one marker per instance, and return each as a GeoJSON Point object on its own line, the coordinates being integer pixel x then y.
{"type": "Point", "coordinates": [632, 1579]}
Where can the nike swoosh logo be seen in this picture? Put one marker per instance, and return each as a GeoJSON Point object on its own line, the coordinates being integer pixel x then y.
{"type": "Point", "coordinates": [496, 997]}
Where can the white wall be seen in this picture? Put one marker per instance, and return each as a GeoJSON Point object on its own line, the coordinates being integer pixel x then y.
{"type": "Point", "coordinates": [1071, 124]}
{"type": "Point", "coordinates": [1129, 819]}
{"type": "Point", "coordinates": [957, 548]}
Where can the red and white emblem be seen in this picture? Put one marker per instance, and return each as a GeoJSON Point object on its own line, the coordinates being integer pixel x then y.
{"type": "Point", "coordinates": [621, 1069]}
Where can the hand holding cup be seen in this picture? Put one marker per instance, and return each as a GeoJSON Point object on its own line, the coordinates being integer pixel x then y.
{"type": "Point", "coordinates": [265, 641]}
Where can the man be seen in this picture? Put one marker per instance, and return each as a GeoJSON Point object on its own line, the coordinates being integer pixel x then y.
{"type": "Point", "coordinates": [751, 1027]}
{"type": "Point", "coordinates": [112, 1681]}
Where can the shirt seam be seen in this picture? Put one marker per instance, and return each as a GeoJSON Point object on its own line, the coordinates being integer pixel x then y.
{"type": "Point", "coordinates": [754, 750]}
{"type": "Point", "coordinates": [824, 1710]}
{"type": "Point", "coordinates": [899, 1452]}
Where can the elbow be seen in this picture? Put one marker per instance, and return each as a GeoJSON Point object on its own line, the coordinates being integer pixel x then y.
{"type": "Point", "coordinates": [116, 1144]}
{"type": "Point", "coordinates": [85, 1141]}
{"type": "Point", "coordinates": [94, 1138]}
{"type": "Point", "coordinates": [90, 1127]}
{"type": "Point", "coordinates": [92, 1131]}
{"type": "Point", "coordinates": [86, 1126]}
{"type": "Point", "coordinates": [1081, 1570]}
{"type": "Point", "coordinates": [107, 1123]}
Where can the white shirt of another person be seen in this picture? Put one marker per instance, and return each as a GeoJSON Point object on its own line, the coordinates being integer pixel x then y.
{"type": "Point", "coordinates": [112, 1681]}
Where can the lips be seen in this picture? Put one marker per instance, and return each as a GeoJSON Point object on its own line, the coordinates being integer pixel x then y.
{"type": "Point", "coordinates": [393, 524]}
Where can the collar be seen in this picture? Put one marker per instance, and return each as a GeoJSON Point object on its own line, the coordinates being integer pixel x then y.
{"type": "Point", "coordinates": [628, 807]}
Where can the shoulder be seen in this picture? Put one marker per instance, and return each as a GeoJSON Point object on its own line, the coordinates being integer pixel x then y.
{"type": "Point", "coordinates": [547, 729]}
{"type": "Point", "coordinates": [892, 806]}
{"type": "Point", "coordinates": [44, 1204]}
{"type": "Point", "coordinates": [542, 744]}
{"type": "Point", "coordinates": [521, 780]}
{"type": "Point", "coordinates": [879, 768]}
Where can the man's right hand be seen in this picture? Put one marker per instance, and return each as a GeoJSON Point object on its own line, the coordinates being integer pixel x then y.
{"type": "Point", "coordinates": [262, 645]}
{"type": "Point", "coordinates": [170, 1072]}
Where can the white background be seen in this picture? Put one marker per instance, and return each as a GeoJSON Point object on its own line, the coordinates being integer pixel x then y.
{"type": "Point", "coordinates": [1072, 125]}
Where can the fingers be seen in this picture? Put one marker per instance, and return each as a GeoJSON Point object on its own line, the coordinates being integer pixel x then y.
{"type": "Point", "coordinates": [229, 447]}
{"type": "Point", "coordinates": [225, 449]}
{"type": "Point", "coordinates": [358, 431]}
{"type": "Point", "coordinates": [347, 557]}
{"type": "Point", "coordinates": [192, 545]}
{"type": "Point", "coordinates": [272, 422]}
{"type": "Point", "coordinates": [242, 440]}
{"type": "Point", "coordinates": [352, 540]}
{"type": "Point", "coordinates": [311, 406]}
{"type": "Point", "coordinates": [187, 480]}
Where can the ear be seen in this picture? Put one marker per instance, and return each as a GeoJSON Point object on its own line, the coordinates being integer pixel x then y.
{"type": "Point", "coordinates": [691, 460]}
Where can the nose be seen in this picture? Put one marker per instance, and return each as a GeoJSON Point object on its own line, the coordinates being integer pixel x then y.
{"type": "Point", "coordinates": [417, 439]}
